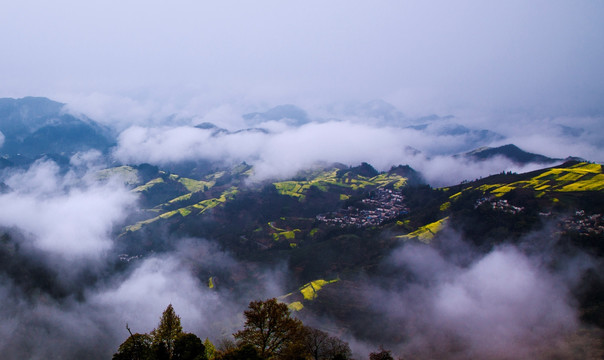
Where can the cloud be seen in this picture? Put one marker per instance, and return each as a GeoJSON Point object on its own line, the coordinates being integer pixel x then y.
{"type": "Point", "coordinates": [67, 216]}
{"type": "Point", "coordinates": [285, 150]}
{"type": "Point", "coordinates": [90, 322]}
{"type": "Point", "coordinates": [503, 304]}
{"type": "Point", "coordinates": [437, 56]}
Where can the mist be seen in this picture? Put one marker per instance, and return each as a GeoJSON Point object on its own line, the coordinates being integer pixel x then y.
{"type": "Point", "coordinates": [451, 301]}
{"type": "Point", "coordinates": [282, 150]}
{"type": "Point", "coordinates": [440, 301]}
{"type": "Point", "coordinates": [63, 293]}
{"type": "Point", "coordinates": [389, 83]}
{"type": "Point", "coordinates": [508, 56]}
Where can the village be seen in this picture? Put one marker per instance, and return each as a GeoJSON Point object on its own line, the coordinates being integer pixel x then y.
{"type": "Point", "coordinates": [584, 224]}
{"type": "Point", "coordinates": [499, 205]}
{"type": "Point", "coordinates": [381, 205]}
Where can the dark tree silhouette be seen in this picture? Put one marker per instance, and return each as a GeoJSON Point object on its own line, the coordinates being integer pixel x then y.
{"type": "Point", "coordinates": [382, 355]}
{"type": "Point", "coordinates": [320, 346]}
{"type": "Point", "coordinates": [136, 347]}
{"type": "Point", "coordinates": [269, 327]}
{"type": "Point", "coordinates": [188, 347]}
{"type": "Point", "coordinates": [245, 352]}
{"type": "Point", "coordinates": [167, 330]}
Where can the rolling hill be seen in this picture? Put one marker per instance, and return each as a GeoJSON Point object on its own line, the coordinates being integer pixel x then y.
{"type": "Point", "coordinates": [33, 126]}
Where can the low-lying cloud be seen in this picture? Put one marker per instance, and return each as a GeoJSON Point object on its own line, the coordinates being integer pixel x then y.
{"type": "Point", "coordinates": [61, 214]}
{"type": "Point", "coordinates": [91, 322]}
{"type": "Point", "coordinates": [501, 305]}
{"type": "Point", "coordinates": [284, 150]}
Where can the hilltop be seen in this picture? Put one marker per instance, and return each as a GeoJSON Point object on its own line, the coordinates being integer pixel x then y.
{"type": "Point", "coordinates": [33, 126]}
{"type": "Point", "coordinates": [364, 252]}
{"type": "Point", "coordinates": [509, 151]}
{"type": "Point", "coordinates": [334, 224]}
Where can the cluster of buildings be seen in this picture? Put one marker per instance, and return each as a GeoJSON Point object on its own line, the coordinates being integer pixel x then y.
{"type": "Point", "coordinates": [499, 205]}
{"type": "Point", "coordinates": [382, 205]}
{"type": "Point", "coordinates": [128, 258]}
{"type": "Point", "coordinates": [584, 224]}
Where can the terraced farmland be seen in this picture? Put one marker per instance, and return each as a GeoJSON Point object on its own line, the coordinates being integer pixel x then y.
{"type": "Point", "coordinates": [579, 177]}
{"type": "Point", "coordinates": [427, 232]}
{"type": "Point", "coordinates": [330, 181]}
{"type": "Point", "coordinates": [308, 291]}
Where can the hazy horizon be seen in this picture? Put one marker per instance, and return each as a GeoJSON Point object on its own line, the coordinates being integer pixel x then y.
{"type": "Point", "coordinates": [541, 58]}
{"type": "Point", "coordinates": [388, 83]}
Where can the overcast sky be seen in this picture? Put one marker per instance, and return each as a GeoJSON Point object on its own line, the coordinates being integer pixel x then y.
{"type": "Point", "coordinates": [538, 57]}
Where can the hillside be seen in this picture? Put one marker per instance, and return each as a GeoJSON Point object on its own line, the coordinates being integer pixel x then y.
{"type": "Point", "coordinates": [343, 241]}
{"type": "Point", "coordinates": [33, 126]}
{"type": "Point", "coordinates": [331, 223]}
{"type": "Point", "coordinates": [509, 151]}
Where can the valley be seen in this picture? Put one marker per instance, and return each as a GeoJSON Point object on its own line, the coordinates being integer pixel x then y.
{"type": "Point", "coordinates": [374, 256]}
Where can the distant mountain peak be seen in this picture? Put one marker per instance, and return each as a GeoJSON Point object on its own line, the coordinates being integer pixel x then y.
{"type": "Point", "coordinates": [510, 151]}
{"type": "Point", "coordinates": [288, 113]}
{"type": "Point", "coordinates": [33, 126]}
{"type": "Point", "coordinates": [364, 169]}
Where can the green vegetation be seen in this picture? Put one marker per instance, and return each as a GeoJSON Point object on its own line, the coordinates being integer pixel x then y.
{"type": "Point", "coordinates": [296, 306]}
{"type": "Point", "coordinates": [426, 233]}
{"type": "Point", "coordinates": [148, 185]}
{"type": "Point", "coordinates": [445, 206]}
{"type": "Point", "coordinates": [196, 185]}
{"type": "Point", "coordinates": [166, 341]}
{"type": "Point", "coordinates": [269, 332]}
{"type": "Point", "coordinates": [575, 178]}
{"type": "Point", "coordinates": [334, 180]}
{"type": "Point", "coordinates": [127, 174]}
{"type": "Point", "coordinates": [271, 224]}
{"type": "Point", "coordinates": [199, 208]}
{"type": "Point", "coordinates": [309, 291]}
{"type": "Point", "coordinates": [287, 235]}
{"type": "Point", "coordinates": [211, 203]}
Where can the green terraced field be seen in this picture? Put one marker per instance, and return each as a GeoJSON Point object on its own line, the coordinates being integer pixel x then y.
{"type": "Point", "coordinates": [329, 180]}
{"type": "Point", "coordinates": [579, 177]}
{"type": "Point", "coordinates": [127, 174]}
{"type": "Point", "coordinates": [296, 306]}
{"type": "Point", "coordinates": [308, 291]}
{"type": "Point", "coordinates": [211, 203]}
{"type": "Point", "coordinates": [426, 233]}
{"type": "Point", "coordinates": [148, 185]}
{"type": "Point", "coordinates": [196, 185]}
{"type": "Point", "coordinates": [200, 207]}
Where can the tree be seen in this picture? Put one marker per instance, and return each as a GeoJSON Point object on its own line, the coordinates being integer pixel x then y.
{"type": "Point", "coordinates": [245, 352]}
{"type": "Point", "coordinates": [320, 346]}
{"type": "Point", "coordinates": [269, 327]}
{"type": "Point", "coordinates": [136, 347]}
{"type": "Point", "coordinates": [210, 349]}
{"type": "Point", "coordinates": [188, 347]}
{"type": "Point", "coordinates": [167, 331]}
{"type": "Point", "coordinates": [382, 355]}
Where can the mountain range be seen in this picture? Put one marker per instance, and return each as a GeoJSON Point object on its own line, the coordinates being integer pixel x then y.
{"type": "Point", "coordinates": [336, 231]}
{"type": "Point", "coordinates": [33, 126]}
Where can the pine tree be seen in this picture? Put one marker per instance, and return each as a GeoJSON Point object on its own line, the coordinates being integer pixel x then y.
{"type": "Point", "coordinates": [210, 349]}
{"type": "Point", "coordinates": [167, 330]}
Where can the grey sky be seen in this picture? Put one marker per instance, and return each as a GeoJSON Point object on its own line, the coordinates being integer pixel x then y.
{"type": "Point", "coordinates": [543, 57]}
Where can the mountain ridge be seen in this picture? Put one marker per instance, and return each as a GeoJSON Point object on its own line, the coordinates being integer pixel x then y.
{"type": "Point", "coordinates": [35, 125]}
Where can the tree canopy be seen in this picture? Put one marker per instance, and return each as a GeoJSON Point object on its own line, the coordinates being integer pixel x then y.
{"type": "Point", "coordinates": [166, 342]}
{"type": "Point", "coordinates": [320, 346]}
{"type": "Point", "coordinates": [167, 330]}
{"type": "Point", "coordinates": [269, 327]}
{"type": "Point", "coordinates": [269, 333]}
